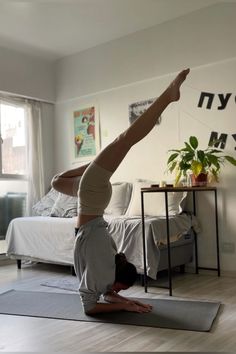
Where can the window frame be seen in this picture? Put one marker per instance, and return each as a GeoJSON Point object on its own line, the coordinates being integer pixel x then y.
{"type": "Point", "coordinates": [7, 176]}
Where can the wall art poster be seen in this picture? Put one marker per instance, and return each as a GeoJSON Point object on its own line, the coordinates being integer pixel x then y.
{"type": "Point", "coordinates": [85, 133]}
{"type": "Point", "coordinates": [138, 108]}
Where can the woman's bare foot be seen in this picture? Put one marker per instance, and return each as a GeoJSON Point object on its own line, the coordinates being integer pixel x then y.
{"type": "Point", "coordinates": [174, 88]}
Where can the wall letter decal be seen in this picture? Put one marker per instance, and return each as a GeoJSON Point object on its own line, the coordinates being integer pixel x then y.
{"type": "Point", "coordinates": [224, 100]}
{"type": "Point", "coordinates": [210, 99]}
{"type": "Point", "coordinates": [222, 138]}
{"type": "Point", "coordinates": [234, 136]}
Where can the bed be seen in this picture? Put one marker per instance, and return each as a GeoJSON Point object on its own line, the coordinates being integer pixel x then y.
{"type": "Point", "coordinates": [50, 238]}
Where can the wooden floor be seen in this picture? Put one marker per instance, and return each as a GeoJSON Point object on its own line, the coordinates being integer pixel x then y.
{"type": "Point", "coordinates": [36, 334]}
{"type": "Point", "coordinates": [3, 246]}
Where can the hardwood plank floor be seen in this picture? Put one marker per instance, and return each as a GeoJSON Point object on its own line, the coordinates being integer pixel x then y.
{"type": "Point", "coordinates": [3, 246]}
{"type": "Point", "coordinates": [19, 334]}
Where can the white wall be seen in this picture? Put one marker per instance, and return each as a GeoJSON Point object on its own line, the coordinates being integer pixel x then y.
{"type": "Point", "coordinates": [30, 76]}
{"type": "Point", "coordinates": [139, 67]}
{"type": "Point", "coordinates": [26, 75]}
{"type": "Point", "coordinates": [204, 36]}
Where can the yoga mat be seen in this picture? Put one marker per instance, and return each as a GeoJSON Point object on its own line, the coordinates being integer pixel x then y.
{"type": "Point", "coordinates": [166, 313]}
{"type": "Point", "coordinates": [66, 283]}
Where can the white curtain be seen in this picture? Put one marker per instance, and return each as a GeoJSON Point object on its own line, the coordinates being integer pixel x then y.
{"type": "Point", "coordinates": [35, 164]}
{"type": "Point", "coordinates": [36, 185]}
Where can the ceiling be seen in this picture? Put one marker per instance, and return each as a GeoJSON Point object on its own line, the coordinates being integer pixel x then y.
{"type": "Point", "coordinates": [55, 29]}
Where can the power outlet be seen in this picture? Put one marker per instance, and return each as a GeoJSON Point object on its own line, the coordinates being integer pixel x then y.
{"type": "Point", "coordinates": [228, 247]}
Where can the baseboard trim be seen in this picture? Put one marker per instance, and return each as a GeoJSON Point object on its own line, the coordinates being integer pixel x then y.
{"type": "Point", "coordinates": [224, 273]}
{"type": "Point", "coordinates": [4, 260]}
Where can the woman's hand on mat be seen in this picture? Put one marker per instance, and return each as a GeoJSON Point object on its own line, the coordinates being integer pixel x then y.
{"type": "Point", "coordinates": [135, 306]}
{"type": "Point", "coordinates": [131, 306]}
{"type": "Point", "coordinates": [143, 305]}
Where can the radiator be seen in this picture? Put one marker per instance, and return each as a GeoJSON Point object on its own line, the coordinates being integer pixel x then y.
{"type": "Point", "coordinates": [12, 205]}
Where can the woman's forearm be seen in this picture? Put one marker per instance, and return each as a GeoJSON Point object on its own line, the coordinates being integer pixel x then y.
{"type": "Point", "coordinates": [100, 308]}
{"type": "Point", "coordinates": [118, 306]}
{"type": "Point", "coordinates": [114, 297]}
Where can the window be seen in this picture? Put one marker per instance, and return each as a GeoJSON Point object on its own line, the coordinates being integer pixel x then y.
{"type": "Point", "coordinates": [13, 158]}
{"type": "Point", "coordinates": [13, 163]}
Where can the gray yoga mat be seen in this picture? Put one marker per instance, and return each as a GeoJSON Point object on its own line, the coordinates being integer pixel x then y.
{"type": "Point", "coordinates": [166, 313]}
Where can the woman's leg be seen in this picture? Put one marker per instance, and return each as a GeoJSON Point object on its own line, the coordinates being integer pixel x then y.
{"type": "Point", "coordinates": [68, 182]}
{"type": "Point", "coordinates": [111, 157]}
{"type": "Point", "coordinates": [94, 187]}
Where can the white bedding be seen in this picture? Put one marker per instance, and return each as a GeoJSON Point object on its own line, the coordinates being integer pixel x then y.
{"type": "Point", "coordinates": [51, 239]}
{"type": "Point", "coordinates": [127, 233]}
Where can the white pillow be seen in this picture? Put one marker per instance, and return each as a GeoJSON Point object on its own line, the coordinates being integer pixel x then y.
{"type": "Point", "coordinates": [154, 203]}
{"type": "Point", "coordinates": [65, 206]}
{"type": "Point", "coordinates": [120, 199]}
{"type": "Point", "coordinates": [44, 206]}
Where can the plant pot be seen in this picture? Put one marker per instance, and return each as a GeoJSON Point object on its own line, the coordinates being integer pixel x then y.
{"type": "Point", "coordinates": [199, 181]}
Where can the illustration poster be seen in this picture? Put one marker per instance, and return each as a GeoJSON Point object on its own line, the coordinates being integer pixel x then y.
{"type": "Point", "coordinates": [86, 137]}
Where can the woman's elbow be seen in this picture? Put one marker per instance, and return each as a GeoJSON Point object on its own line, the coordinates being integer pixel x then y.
{"type": "Point", "coordinates": [90, 311]}
{"type": "Point", "coordinates": [55, 182]}
{"type": "Point", "coordinates": [64, 185]}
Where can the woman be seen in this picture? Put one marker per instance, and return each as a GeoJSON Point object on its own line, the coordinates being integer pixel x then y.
{"type": "Point", "coordinates": [98, 267]}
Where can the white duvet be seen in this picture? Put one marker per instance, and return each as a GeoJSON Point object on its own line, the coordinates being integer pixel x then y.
{"type": "Point", "coordinates": [50, 239]}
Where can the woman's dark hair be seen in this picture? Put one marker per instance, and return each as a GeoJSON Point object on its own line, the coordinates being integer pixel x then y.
{"type": "Point", "coordinates": [126, 273]}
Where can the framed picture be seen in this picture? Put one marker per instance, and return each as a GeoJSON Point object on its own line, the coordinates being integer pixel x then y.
{"type": "Point", "coordinates": [138, 108]}
{"type": "Point", "coordinates": [86, 138]}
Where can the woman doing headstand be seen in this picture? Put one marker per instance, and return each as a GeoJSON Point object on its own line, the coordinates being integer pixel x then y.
{"type": "Point", "coordinates": [97, 265]}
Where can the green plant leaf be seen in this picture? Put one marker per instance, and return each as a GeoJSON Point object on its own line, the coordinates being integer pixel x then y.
{"type": "Point", "coordinates": [215, 174]}
{"type": "Point", "coordinates": [189, 156]}
{"type": "Point", "coordinates": [213, 159]}
{"type": "Point", "coordinates": [176, 150]}
{"type": "Point", "coordinates": [213, 151]}
{"type": "Point", "coordinates": [184, 166]}
{"type": "Point", "coordinates": [196, 167]}
{"type": "Point", "coordinates": [187, 147]}
{"type": "Point", "coordinates": [215, 142]}
{"type": "Point", "coordinates": [172, 166]}
{"type": "Point", "coordinates": [230, 159]}
{"type": "Point", "coordinates": [193, 142]}
{"type": "Point", "coordinates": [172, 157]}
{"type": "Point", "coordinates": [177, 178]}
{"type": "Point", "coordinates": [201, 156]}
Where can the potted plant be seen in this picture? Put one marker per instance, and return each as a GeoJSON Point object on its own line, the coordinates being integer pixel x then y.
{"type": "Point", "coordinates": [201, 165]}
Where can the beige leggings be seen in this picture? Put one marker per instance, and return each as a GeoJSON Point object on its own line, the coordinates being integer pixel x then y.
{"type": "Point", "coordinates": [94, 190]}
